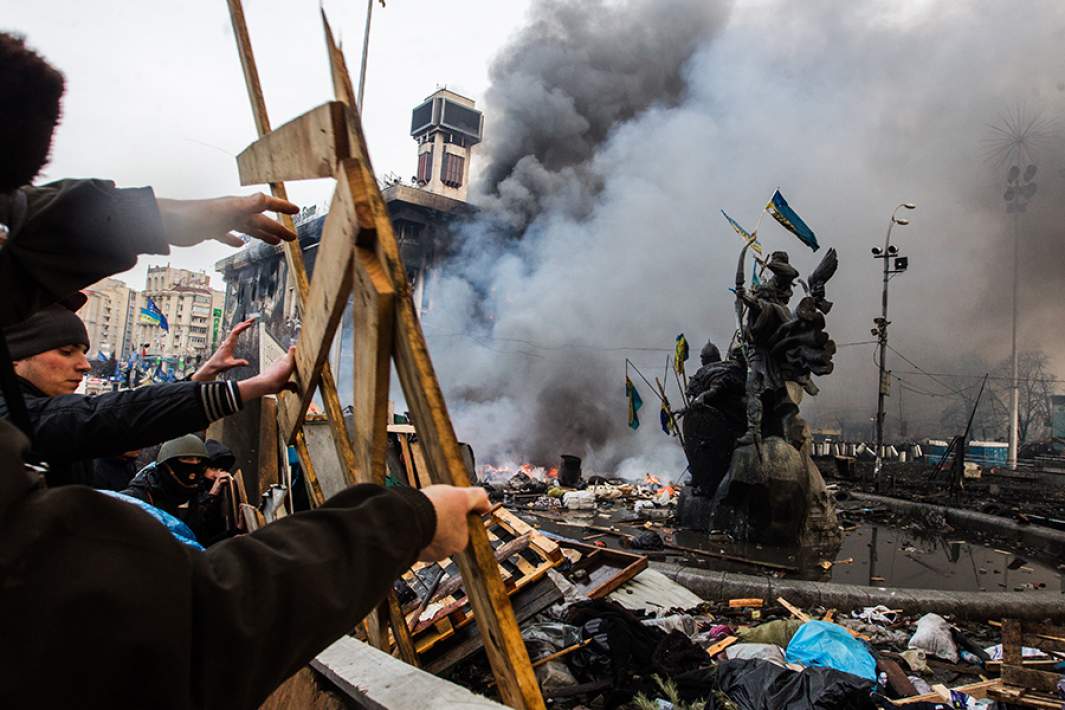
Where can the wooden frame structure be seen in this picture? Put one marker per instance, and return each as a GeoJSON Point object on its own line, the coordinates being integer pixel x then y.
{"type": "Point", "coordinates": [359, 256]}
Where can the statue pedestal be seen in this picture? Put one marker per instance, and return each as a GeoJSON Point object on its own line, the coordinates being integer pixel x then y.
{"type": "Point", "coordinates": [694, 512]}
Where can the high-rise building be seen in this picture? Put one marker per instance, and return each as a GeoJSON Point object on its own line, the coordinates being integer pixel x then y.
{"type": "Point", "coordinates": [446, 127]}
{"type": "Point", "coordinates": [107, 316]}
{"type": "Point", "coordinates": [188, 302]}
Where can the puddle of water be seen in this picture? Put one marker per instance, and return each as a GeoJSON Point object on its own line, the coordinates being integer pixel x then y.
{"type": "Point", "coordinates": [953, 563]}
{"type": "Point", "coordinates": [883, 556]}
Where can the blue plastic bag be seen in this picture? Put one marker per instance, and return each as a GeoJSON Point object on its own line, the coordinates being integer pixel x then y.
{"type": "Point", "coordinates": [824, 645]}
{"type": "Point", "coordinates": [182, 532]}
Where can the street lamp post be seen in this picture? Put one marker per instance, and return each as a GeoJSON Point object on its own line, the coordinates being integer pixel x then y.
{"type": "Point", "coordinates": [894, 263]}
{"type": "Point", "coordinates": [1018, 193]}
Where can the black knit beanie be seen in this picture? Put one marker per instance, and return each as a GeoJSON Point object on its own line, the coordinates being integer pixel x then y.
{"type": "Point", "coordinates": [47, 329]}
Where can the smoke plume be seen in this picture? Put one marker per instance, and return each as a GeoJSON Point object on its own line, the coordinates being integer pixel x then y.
{"type": "Point", "coordinates": [617, 131]}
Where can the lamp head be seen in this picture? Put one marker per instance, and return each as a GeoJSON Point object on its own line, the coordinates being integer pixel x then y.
{"type": "Point", "coordinates": [900, 220]}
{"type": "Point", "coordinates": [876, 251]}
{"type": "Point", "coordinates": [909, 205]}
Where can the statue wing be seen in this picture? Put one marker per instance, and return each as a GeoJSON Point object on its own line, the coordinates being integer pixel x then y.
{"type": "Point", "coordinates": [824, 271]}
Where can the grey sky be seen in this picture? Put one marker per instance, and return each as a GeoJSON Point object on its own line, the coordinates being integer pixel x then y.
{"type": "Point", "coordinates": [155, 94]}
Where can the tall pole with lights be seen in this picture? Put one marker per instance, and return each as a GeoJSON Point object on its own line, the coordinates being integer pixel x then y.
{"type": "Point", "coordinates": [1019, 191]}
{"type": "Point", "coordinates": [894, 263]}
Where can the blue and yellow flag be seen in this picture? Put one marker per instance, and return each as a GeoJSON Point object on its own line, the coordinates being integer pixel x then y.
{"type": "Point", "coordinates": [153, 315]}
{"type": "Point", "coordinates": [635, 403]}
{"type": "Point", "coordinates": [680, 355]}
{"type": "Point", "coordinates": [779, 209]}
{"type": "Point", "coordinates": [744, 234]}
{"type": "Point", "coordinates": [665, 418]}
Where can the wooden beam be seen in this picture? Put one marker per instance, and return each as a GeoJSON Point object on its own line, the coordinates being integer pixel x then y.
{"type": "Point", "coordinates": [503, 643]}
{"type": "Point", "coordinates": [268, 435]}
{"type": "Point", "coordinates": [314, 488]}
{"type": "Point", "coordinates": [373, 307]}
{"type": "Point", "coordinates": [325, 302]}
{"type": "Point", "coordinates": [293, 255]}
{"type": "Point", "coordinates": [306, 147]}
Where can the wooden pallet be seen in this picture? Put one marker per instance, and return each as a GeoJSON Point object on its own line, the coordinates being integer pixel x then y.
{"type": "Point", "coordinates": [449, 608]}
{"type": "Point", "coordinates": [1021, 685]}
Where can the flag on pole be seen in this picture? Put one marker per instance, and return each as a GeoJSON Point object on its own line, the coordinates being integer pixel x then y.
{"type": "Point", "coordinates": [779, 209]}
{"type": "Point", "coordinates": [744, 234]}
{"type": "Point", "coordinates": [680, 354]}
{"type": "Point", "coordinates": [152, 315]}
{"type": "Point", "coordinates": [635, 403]}
{"type": "Point", "coordinates": [755, 281]}
{"type": "Point", "coordinates": [665, 418]}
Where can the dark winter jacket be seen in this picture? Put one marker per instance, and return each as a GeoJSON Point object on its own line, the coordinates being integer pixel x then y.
{"type": "Point", "coordinates": [71, 430]}
{"type": "Point", "coordinates": [105, 609]}
{"type": "Point", "coordinates": [203, 512]}
{"type": "Point", "coordinates": [69, 234]}
{"type": "Point", "coordinates": [113, 473]}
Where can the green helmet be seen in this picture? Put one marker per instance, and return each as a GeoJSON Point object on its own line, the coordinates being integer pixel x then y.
{"type": "Point", "coordinates": [188, 445]}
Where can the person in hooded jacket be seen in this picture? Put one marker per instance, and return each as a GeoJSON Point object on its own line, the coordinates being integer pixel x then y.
{"type": "Point", "coordinates": [185, 481]}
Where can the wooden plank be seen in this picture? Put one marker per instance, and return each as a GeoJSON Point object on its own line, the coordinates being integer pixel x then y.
{"type": "Point", "coordinates": [793, 610]}
{"type": "Point", "coordinates": [376, 680]}
{"type": "Point", "coordinates": [421, 468]}
{"type": "Point", "coordinates": [373, 307]}
{"type": "Point", "coordinates": [325, 303]}
{"type": "Point", "coordinates": [756, 602]}
{"type": "Point", "coordinates": [721, 645]}
{"type": "Point", "coordinates": [1030, 678]}
{"type": "Point", "coordinates": [1011, 642]}
{"type": "Point", "coordinates": [268, 434]}
{"type": "Point", "coordinates": [309, 146]}
{"type": "Point", "coordinates": [527, 603]}
{"type": "Point", "coordinates": [310, 476]}
{"type": "Point", "coordinates": [518, 526]}
{"type": "Point", "coordinates": [408, 461]}
{"type": "Point", "coordinates": [976, 690]}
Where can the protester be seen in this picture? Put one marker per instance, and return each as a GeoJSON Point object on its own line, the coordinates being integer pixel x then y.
{"type": "Point", "coordinates": [70, 430]}
{"type": "Point", "coordinates": [179, 477]}
{"type": "Point", "coordinates": [104, 608]}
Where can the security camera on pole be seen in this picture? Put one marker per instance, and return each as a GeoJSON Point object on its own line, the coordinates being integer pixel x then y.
{"type": "Point", "coordinates": [894, 263]}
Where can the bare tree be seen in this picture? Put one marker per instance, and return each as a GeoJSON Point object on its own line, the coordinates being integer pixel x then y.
{"type": "Point", "coordinates": [1036, 385]}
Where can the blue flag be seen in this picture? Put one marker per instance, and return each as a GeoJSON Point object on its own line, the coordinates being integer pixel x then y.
{"type": "Point", "coordinates": [153, 315]}
{"type": "Point", "coordinates": [100, 357]}
{"type": "Point", "coordinates": [779, 209]}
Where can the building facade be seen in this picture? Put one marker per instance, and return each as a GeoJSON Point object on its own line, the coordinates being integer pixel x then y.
{"type": "Point", "coordinates": [192, 309]}
{"type": "Point", "coordinates": [107, 314]}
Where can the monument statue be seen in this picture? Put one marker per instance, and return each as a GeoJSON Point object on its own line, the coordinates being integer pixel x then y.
{"type": "Point", "coordinates": [747, 447]}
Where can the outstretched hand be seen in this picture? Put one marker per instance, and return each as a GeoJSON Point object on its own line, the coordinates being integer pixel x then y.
{"type": "Point", "coordinates": [224, 357]}
{"type": "Point", "coordinates": [272, 379]}
{"type": "Point", "coordinates": [189, 222]}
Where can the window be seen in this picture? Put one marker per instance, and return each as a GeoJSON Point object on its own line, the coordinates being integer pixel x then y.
{"type": "Point", "coordinates": [425, 166]}
{"type": "Point", "coordinates": [451, 169]}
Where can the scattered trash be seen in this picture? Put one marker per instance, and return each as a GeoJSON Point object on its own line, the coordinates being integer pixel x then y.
{"type": "Point", "coordinates": [933, 636]}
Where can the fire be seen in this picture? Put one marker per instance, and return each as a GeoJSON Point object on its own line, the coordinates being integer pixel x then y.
{"type": "Point", "coordinates": [652, 480]}
{"type": "Point", "coordinates": [552, 473]}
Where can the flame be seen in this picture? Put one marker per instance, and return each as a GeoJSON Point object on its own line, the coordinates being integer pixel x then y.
{"type": "Point", "coordinates": [651, 480]}
{"type": "Point", "coordinates": [668, 489]}
{"type": "Point", "coordinates": [552, 473]}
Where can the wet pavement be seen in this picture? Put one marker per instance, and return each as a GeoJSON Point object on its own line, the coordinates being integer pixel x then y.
{"type": "Point", "coordinates": [872, 554]}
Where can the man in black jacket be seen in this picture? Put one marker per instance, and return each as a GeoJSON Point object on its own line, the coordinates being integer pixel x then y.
{"type": "Point", "coordinates": [102, 607]}
{"type": "Point", "coordinates": [70, 430]}
{"type": "Point", "coordinates": [178, 478]}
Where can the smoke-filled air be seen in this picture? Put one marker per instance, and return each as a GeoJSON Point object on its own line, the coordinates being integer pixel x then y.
{"type": "Point", "coordinates": [617, 131]}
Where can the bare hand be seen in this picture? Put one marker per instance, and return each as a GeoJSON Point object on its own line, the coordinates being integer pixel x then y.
{"type": "Point", "coordinates": [189, 222]}
{"type": "Point", "coordinates": [271, 380]}
{"type": "Point", "coordinates": [223, 359]}
{"type": "Point", "coordinates": [452, 505]}
{"type": "Point", "coordinates": [220, 481]}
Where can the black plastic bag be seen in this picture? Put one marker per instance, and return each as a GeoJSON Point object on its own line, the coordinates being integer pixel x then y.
{"type": "Point", "coordinates": [761, 685]}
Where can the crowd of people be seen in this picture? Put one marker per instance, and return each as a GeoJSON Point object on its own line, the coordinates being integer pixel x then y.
{"type": "Point", "coordinates": [103, 605]}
